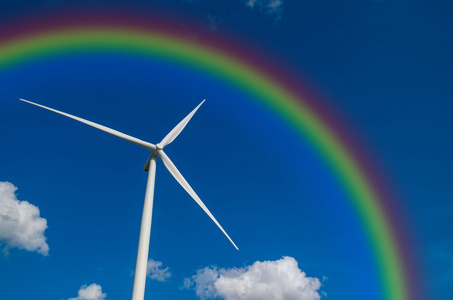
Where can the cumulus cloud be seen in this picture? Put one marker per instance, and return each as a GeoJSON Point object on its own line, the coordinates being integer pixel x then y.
{"type": "Point", "coordinates": [20, 223]}
{"type": "Point", "coordinates": [91, 292]}
{"type": "Point", "coordinates": [155, 271]}
{"type": "Point", "coordinates": [271, 7]}
{"type": "Point", "coordinates": [267, 280]}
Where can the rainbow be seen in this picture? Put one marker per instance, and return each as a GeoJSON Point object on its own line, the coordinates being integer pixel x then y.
{"type": "Point", "coordinates": [268, 84]}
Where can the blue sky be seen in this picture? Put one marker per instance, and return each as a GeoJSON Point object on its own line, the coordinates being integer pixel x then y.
{"type": "Point", "coordinates": [385, 66]}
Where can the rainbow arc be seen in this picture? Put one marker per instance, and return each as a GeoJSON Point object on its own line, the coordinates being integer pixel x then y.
{"type": "Point", "coordinates": [131, 35]}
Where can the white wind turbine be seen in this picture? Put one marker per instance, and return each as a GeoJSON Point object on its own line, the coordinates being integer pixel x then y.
{"type": "Point", "coordinates": [138, 291]}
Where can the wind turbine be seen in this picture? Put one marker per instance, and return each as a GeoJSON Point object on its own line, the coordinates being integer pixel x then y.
{"type": "Point", "coordinates": [138, 291]}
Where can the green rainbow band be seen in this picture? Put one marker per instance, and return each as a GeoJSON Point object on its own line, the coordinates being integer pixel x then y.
{"type": "Point", "coordinates": [289, 106]}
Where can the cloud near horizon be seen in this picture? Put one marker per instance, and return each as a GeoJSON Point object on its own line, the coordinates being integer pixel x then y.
{"type": "Point", "coordinates": [20, 223]}
{"type": "Point", "coordinates": [90, 292]}
{"type": "Point", "coordinates": [267, 280]}
{"type": "Point", "coordinates": [155, 271]}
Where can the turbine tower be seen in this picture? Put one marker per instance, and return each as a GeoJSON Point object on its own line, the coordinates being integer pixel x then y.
{"type": "Point", "coordinates": [138, 291]}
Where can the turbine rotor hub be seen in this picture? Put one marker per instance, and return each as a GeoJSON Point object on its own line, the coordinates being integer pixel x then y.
{"type": "Point", "coordinates": [155, 154]}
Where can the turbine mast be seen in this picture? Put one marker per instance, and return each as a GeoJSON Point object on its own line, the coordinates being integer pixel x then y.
{"type": "Point", "coordinates": [138, 290]}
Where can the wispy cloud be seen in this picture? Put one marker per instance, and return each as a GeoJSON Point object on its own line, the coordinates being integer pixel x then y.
{"type": "Point", "coordinates": [214, 21]}
{"type": "Point", "coordinates": [90, 292]}
{"type": "Point", "coordinates": [270, 7]}
{"type": "Point", "coordinates": [156, 272]}
{"type": "Point", "coordinates": [20, 223]}
{"type": "Point", "coordinates": [267, 280]}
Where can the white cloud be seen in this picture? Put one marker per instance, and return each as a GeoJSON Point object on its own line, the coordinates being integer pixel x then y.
{"type": "Point", "coordinates": [154, 270]}
{"type": "Point", "coordinates": [91, 292]}
{"type": "Point", "coordinates": [274, 4]}
{"type": "Point", "coordinates": [267, 280]}
{"type": "Point", "coordinates": [271, 7]}
{"type": "Point", "coordinates": [20, 223]}
{"type": "Point", "coordinates": [251, 3]}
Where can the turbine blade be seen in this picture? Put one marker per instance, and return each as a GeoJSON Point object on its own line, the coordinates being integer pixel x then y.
{"type": "Point", "coordinates": [177, 175]}
{"type": "Point", "coordinates": [178, 128]}
{"type": "Point", "coordinates": [101, 127]}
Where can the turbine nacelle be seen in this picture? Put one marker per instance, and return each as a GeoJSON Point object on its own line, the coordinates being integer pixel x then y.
{"type": "Point", "coordinates": [155, 154]}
